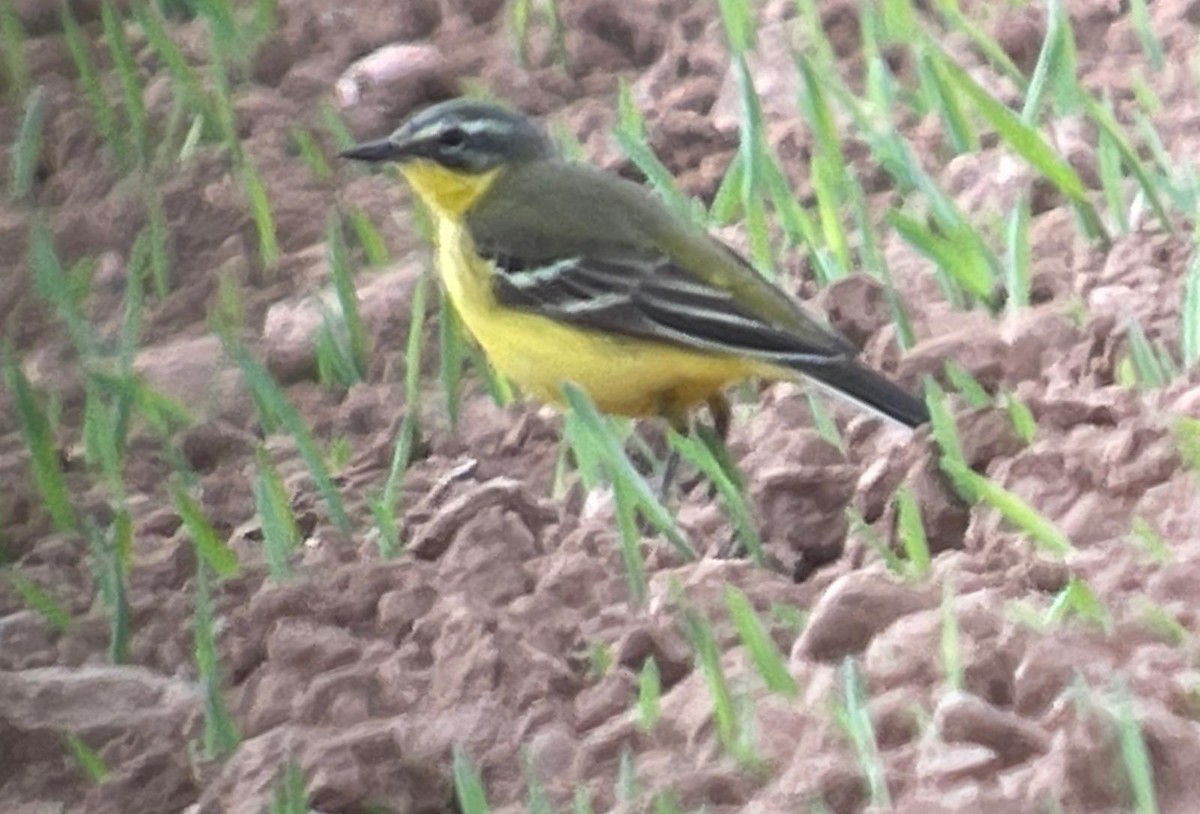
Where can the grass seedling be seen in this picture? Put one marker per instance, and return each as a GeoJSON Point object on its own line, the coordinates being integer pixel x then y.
{"type": "Point", "coordinates": [290, 795]}
{"type": "Point", "coordinates": [830, 176]}
{"type": "Point", "coordinates": [581, 802]}
{"type": "Point", "coordinates": [1189, 318]}
{"type": "Point", "coordinates": [947, 103]}
{"type": "Point", "coordinates": [768, 661]}
{"type": "Point", "coordinates": [911, 531]}
{"type": "Point", "coordinates": [1109, 129]}
{"type": "Point", "coordinates": [630, 135]}
{"type": "Point", "coordinates": [211, 550]}
{"type": "Point", "coordinates": [520, 14]}
{"type": "Point", "coordinates": [1017, 274]}
{"type": "Point", "coordinates": [734, 729]}
{"type": "Point", "coordinates": [468, 785]}
{"type": "Point", "coordinates": [853, 716]}
{"type": "Point", "coordinates": [109, 549]}
{"type": "Point", "coordinates": [220, 735]}
{"type": "Point", "coordinates": [1161, 622]}
{"type": "Point", "coordinates": [374, 249]}
{"type": "Point", "coordinates": [103, 113]}
{"type": "Point", "coordinates": [625, 789]}
{"type": "Point", "coordinates": [1151, 47]}
{"type": "Point", "coordinates": [1186, 433]}
{"type": "Point", "coordinates": [975, 488]}
{"type": "Point", "coordinates": [311, 154]}
{"type": "Point", "coordinates": [631, 541]}
{"type": "Point", "coordinates": [12, 39]}
{"type": "Point", "coordinates": [48, 476]}
{"type": "Point", "coordinates": [259, 204]}
{"type": "Point", "coordinates": [87, 759]}
{"type": "Point", "coordinates": [38, 600]}
{"type": "Point", "coordinates": [987, 46]}
{"type": "Point", "coordinates": [281, 535]}
{"type": "Point", "coordinates": [1135, 756]}
{"type": "Point", "coordinates": [1151, 365]}
{"type": "Point", "coordinates": [450, 357]}
{"type": "Point", "coordinates": [649, 698]}
{"type": "Point", "coordinates": [1023, 422]}
{"type": "Point", "coordinates": [1149, 542]}
{"type": "Point", "coordinates": [1077, 601]}
{"type": "Point", "coordinates": [1025, 141]}
{"type": "Point", "coordinates": [696, 451]}
{"type": "Point", "coordinates": [596, 436]}
{"type": "Point", "coordinates": [275, 410]}
{"type": "Point", "coordinates": [949, 644]}
{"type": "Point", "coordinates": [347, 296]}
{"type": "Point", "coordinates": [137, 122]}
{"type": "Point", "coordinates": [536, 801]}
{"type": "Point", "coordinates": [966, 385]}
{"type": "Point", "coordinates": [26, 150]}
{"type": "Point", "coordinates": [383, 507]}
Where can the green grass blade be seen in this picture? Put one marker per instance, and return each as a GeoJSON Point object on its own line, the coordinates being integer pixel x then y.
{"type": "Point", "coordinates": [1016, 266]}
{"type": "Point", "coordinates": [468, 785]}
{"type": "Point", "coordinates": [90, 764]}
{"type": "Point", "coordinates": [649, 695]}
{"type": "Point", "coordinates": [369, 238]}
{"type": "Point", "coordinates": [102, 111]}
{"type": "Point", "coordinates": [1026, 141]}
{"type": "Point", "coordinates": [699, 454]}
{"type": "Point", "coordinates": [281, 535]}
{"type": "Point", "coordinates": [630, 134]}
{"type": "Point", "coordinates": [347, 296]}
{"type": "Point", "coordinates": [949, 642]}
{"type": "Point", "coordinates": [767, 660]}
{"type": "Point", "coordinates": [26, 149]}
{"type": "Point", "coordinates": [277, 410]}
{"type": "Point", "coordinates": [136, 119]}
{"type": "Point", "coordinates": [911, 530]}
{"type": "Point", "coordinates": [220, 735]}
{"type": "Point", "coordinates": [13, 39]}
{"type": "Point", "coordinates": [620, 468]}
{"type": "Point", "coordinates": [290, 795]}
{"type": "Point", "coordinates": [854, 717]}
{"type": "Point", "coordinates": [35, 428]}
{"type": "Point", "coordinates": [1102, 116]}
{"type": "Point", "coordinates": [39, 600]}
{"type": "Point", "coordinates": [450, 357]}
{"type": "Point", "coordinates": [259, 204]}
{"type": "Point", "coordinates": [1190, 316]}
{"type": "Point", "coordinates": [210, 548]}
{"type": "Point", "coordinates": [631, 541]}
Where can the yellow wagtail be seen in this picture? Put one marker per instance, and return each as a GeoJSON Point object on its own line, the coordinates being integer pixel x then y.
{"type": "Point", "coordinates": [563, 272]}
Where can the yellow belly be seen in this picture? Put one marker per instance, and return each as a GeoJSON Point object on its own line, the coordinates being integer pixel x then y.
{"type": "Point", "coordinates": [622, 376]}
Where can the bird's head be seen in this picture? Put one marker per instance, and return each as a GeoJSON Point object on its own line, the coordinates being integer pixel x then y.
{"type": "Point", "coordinates": [464, 135]}
{"type": "Point", "coordinates": [451, 152]}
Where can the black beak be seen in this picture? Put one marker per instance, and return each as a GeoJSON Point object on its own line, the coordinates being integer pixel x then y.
{"type": "Point", "coordinates": [381, 150]}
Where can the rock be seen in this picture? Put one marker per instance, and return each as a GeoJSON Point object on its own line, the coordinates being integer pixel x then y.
{"type": "Point", "coordinates": [310, 647]}
{"type": "Point", "coordinates": [97, 701]}
{"type": "Point", "coordinates": [964, 718]}
{"type": "Point", "coordinates": [853, 610]}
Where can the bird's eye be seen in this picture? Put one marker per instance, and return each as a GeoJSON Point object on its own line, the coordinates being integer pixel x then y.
{"type": "Point", "coordinates": [452, 137]}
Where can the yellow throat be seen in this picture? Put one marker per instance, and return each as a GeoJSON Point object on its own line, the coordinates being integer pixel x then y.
{"type": "Point", "coordinates": [448, 192]}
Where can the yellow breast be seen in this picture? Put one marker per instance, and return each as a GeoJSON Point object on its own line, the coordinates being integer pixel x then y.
{"type": "Point", "coordinates": [622, 376]}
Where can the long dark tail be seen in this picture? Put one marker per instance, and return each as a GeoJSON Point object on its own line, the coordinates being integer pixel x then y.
{"type": "Point", "coordinates": [850, 380]}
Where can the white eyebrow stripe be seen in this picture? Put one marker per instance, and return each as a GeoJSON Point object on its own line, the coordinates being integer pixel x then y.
{"type": "Point", "coordinates": [477, 126]}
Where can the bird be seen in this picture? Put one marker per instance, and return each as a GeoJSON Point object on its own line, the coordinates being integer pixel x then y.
{"type": "Point", "coordinates": [563, 272]}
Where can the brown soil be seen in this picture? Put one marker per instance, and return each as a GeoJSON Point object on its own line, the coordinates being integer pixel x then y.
{"type": "Point", "coordinates": [367, 673]}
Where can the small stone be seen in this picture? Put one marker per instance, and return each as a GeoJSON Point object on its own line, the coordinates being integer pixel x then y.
{"type": "Point", "coordinates": [855, 608]}
{"type": "Point", "coordinates": [964, 718]}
